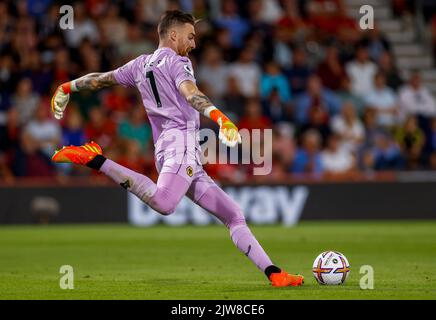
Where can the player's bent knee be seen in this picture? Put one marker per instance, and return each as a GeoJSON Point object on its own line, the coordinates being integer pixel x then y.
{"type": "Point", "coordinates": [236, 218]}
{"type": "Point", "coordinates": [165, 207]}
{"type": "Point", "coordinates": [162, 203]}
{"type": "Point", "coordinates": [167, 210]}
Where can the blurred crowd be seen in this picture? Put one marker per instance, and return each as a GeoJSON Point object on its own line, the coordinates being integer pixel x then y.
{"type": "Point", "coordinates": [330, 92]}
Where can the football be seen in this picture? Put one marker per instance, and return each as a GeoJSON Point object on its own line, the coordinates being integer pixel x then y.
{"type": "Point", "coordinates": [331, 268]}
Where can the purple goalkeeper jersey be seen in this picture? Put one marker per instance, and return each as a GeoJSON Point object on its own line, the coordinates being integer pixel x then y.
{"type": "Point", "coordinates": [157, 77]}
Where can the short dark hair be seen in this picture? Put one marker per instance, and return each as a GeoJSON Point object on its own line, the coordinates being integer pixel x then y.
{"type": "Point", "coordinates": [173, 17]}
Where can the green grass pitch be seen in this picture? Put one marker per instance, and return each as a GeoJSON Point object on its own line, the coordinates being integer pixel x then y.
{"type": "Point", "coordinates": [124, 262]}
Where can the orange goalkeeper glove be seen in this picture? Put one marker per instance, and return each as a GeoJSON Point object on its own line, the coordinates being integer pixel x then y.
{"type": "Point", "coordinates": [228, 134]}
{"type": "Point", "coordinates": [61, 97]}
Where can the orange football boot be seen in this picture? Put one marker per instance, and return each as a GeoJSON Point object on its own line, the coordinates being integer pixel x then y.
{"type": "Point", "coordinates": [77, 154]}
{"type": "Point", "coordinates": [284, 279]}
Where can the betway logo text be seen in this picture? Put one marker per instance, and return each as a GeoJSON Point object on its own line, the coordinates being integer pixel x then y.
{"type": "Point", "coordinates": [261, 205]}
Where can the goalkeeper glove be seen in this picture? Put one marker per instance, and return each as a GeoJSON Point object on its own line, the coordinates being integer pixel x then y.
{"type": "Point", "coordinates": [228, 133]}
{"type": "Point", "coordinates": [61, 97]}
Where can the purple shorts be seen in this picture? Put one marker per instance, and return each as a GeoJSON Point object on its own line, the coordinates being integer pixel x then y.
{"type": "Point", "coordinates": [186, 163]}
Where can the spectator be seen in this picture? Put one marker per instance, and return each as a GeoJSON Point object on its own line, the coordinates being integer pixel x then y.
{"type": "Point", "coordinates": [8, 78]}
{"type": "Point", "coordinates": [223, 40]}
{"type": "Point", "coordinates": [10, 131]}
{"type": "Point", "coordinates": [232, 21]}
{"type": "Point", "coordinates": [283, 144]}
{"type": "Point", "coordinates": [387, 154]}
{"type": "Point", "coordinates": [318, 120]}
{"type": "Point", "coordinates": [85, 100]}
{"type": "Point", "coordinates": [433, 37]}
{"type": "Point", "coordinates": [5, 105]}
{"type": "Point", "coordinates": [282, 52]}
{"type": "Point", "coordinates": [270, 11]}
{"type": "Point", "coordinates": [393, 79]}
{"type": "Point", "coordinates": [292, 22]}
{"type": "Point", "coordinates": [132, 156]}
{"type": "Point", "coordinates": [336, 160]}
{"type": "Point", "coordinates": [384, 100]}
{"type": "Point", "coordinates": [61, 72]}
{"type": "Point", "coordinates": [411, 140]}
{"type": "Point", "coordinates": [200, 9]}
{"type": "Point", "coordinates": [275, 109]}
{"type": "Point", "coordinates": [100, 128]}
{"type": "Point", "coordinates": [44, 130]}
{"type": "Point", "coordinates": [253, 118]}
{"type": "Point", "coordinates": [25, 100]}
{"type": "Point", "coordinates": [432, 161]}
{"type": "Point", "coordinates": [134, 44]}
{"type": "Point", "coordinates": [261, 44]}
{"type": "Point", "coordinates": [366, 151]}
{"type": "Point", "coordinates": [29, 161]}
{"type": "Point", "coordinates": [283, 152]}
{"type": "Point", "coordinates": [73, 132]}
{"type": "Point", "coordinates": [315, 95]}
{"type": "Point", "coordinates": [272, 79]}
{"type": "Point", "coordinates": [432, 140]}
{"type": "Point", "coordinates": [6, 175]}
{"type": "Point", "coordinates": [247, 73]}
{"type": "Point", "coordinates": [135, 128]}
{"type": "Point", "coordinates": [6, 25]}
{"type": "Point", "coordinates": [213, 72]}
{"type": "Point", "coordinates": [90, 57]}
{"type": "Point", "coordinates": [308, 156]}
{"type": "Point", "coordinates": [361, 72]}
{"type": "Point", "coordinates": [417, 100]}
{"type": "Point", "coordinates": [38, 72]}
{"type": "Point", "coordinates": [117, 102]}
{"type": "Point", "coordinates": [299, 73]}
{"type": "Point", "coordinates": [348, 127]}
{"type": "Point", "coordinates": [371, 128]}
{"type": "Point", "coordinates": [113, 27]}
{"type": "Point", "coordinates": [331, 19]}
{"type": "Point", "coordinates": [257, 22]}
{"type": "Point", "coordinates": [376, 43]}
{"type": "Point", "coordinates": [330, 70]}
{"type": "Point", "coordinates": [234, 100]}
{"type": "Point", "coordinates": [49, 22]}
{"type": "Point", "coordinates": [345, 94]}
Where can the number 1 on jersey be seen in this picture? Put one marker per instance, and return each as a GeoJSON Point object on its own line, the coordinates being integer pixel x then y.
{"type": "Point", "coordinates": [150, 76]}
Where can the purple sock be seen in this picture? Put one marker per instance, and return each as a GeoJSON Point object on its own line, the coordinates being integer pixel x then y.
{"type": "Point", "coordinates": [248, 245]}
{"type": "Point", "coordinates": [162, 197]}
{"type": "Point", "coordinates": [217, 202]}
{"type": "Point", "coordinates": [141, 186]}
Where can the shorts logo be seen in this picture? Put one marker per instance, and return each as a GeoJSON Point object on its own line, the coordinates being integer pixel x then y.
{"type": "Point", "coordinates": [189, 171]}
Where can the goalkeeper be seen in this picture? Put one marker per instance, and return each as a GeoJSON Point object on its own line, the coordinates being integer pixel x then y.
{"type": "Point", "coordinates": [173, 104]}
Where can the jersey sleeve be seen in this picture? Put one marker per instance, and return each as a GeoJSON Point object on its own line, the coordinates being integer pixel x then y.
{"type": "Point", "coordinates": [183, 71]}
{"type": "Point", "coordinates": [125, 75]}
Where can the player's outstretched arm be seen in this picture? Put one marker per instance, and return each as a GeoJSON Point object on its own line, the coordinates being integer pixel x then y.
{"type": "Point", "coordinates": [91, 81]}
{"type": "Point", "coordinates": [229, 134]}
